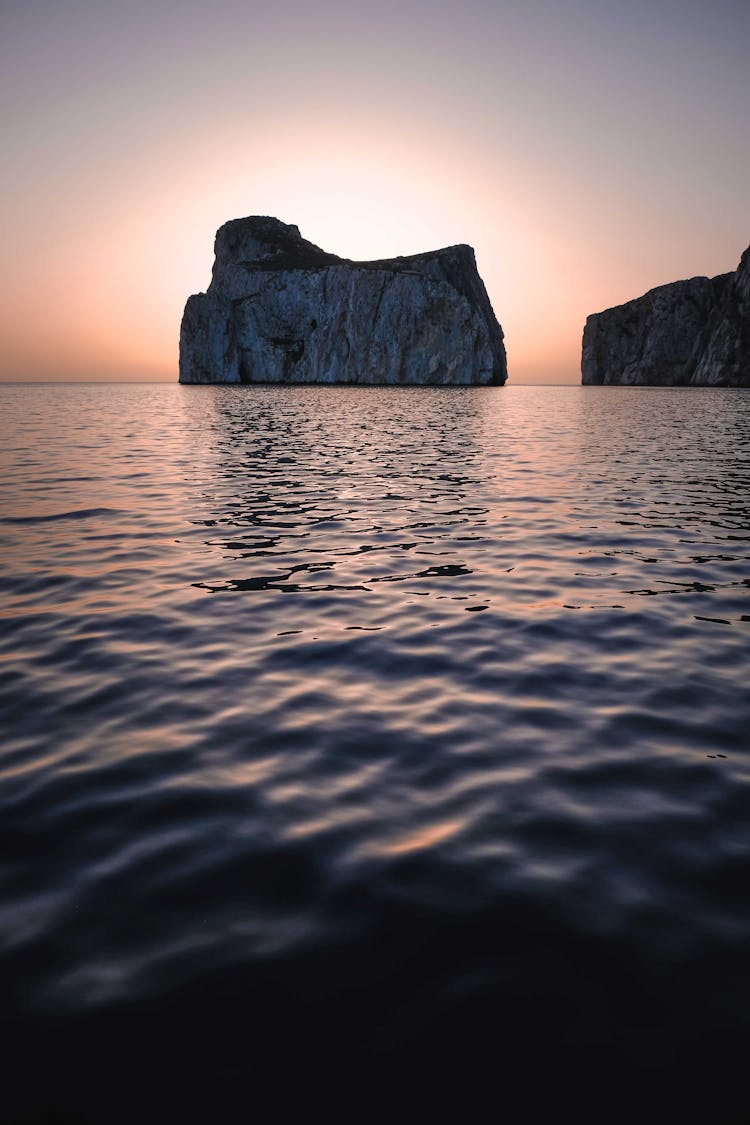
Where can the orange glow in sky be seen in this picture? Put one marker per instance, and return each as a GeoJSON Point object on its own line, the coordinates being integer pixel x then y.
{"type": "Point", "coordinates": [563, 148]}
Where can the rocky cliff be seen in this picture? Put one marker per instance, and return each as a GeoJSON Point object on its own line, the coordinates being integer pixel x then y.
{"type": "Point", "coordinates": [689, 333]}
{"type": "Point", "coordinates": [281, 310]}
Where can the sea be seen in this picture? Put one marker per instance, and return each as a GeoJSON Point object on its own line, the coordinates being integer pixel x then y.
{"type": "Point", "coordinates": [374, 753]}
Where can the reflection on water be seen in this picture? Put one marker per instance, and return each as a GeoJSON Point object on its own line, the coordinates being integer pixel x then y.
{"type": "Point", "coordinates": [391, 730]}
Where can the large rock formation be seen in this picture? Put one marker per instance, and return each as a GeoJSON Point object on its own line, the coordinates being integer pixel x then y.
{"type": "Point", "coordinates": [281, 310]}
{"type": "Point", "coordinates": [690, 333]}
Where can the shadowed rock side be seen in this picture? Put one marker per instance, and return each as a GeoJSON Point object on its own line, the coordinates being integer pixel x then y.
{"type": "Point", "coordinates": [689, 333]}
{"type": "Point", "coordinates": [725, 357]}
{"type": "Point", "coordinates": [281, 310]}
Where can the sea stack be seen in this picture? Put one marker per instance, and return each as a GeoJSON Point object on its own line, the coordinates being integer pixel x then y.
{"type": "Point", "coordinates": [281, 310]}
{"type": "Point", "coordinates": [689, 333]}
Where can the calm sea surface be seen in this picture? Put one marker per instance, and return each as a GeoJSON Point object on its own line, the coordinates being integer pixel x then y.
{"type": "Point", "coordinates": [374, 750]}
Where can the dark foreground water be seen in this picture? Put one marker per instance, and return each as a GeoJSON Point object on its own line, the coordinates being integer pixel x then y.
{"type": "Point", "coordinates": [374, 753]}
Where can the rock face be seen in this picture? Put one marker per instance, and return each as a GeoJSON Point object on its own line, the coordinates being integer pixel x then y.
{"type": "Point", "coordinates": [281, 310]}
{"type": "Point", "coordinates": [690, 333]}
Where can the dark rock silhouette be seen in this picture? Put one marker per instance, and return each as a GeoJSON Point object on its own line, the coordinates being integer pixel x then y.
{"type": "Point", "coordinates": [281, 310]}
{"type": "Point", "coordinates": [689, 333]}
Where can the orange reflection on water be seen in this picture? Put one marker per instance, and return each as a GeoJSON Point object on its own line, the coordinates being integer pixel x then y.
{"type": "Point", "coordinates": [423, 838]}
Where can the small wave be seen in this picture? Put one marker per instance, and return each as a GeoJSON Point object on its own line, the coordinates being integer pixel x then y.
{"type": "Point", "coordinates": [53, 517]}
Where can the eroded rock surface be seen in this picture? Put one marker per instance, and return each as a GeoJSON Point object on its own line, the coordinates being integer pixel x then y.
{"type": "Point", "coordinates": [281, 310]}
{"type": "Point", "coordinates": [689, 333]}
{"type": "Point", "coordinates": [725, 355]}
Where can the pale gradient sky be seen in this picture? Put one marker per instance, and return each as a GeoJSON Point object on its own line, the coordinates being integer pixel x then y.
{"type": "Point", "coordinates": [587, 150]}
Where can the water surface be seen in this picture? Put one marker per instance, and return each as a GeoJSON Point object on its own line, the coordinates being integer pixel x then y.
{"type": "Point", "coordinates": [361, 740]}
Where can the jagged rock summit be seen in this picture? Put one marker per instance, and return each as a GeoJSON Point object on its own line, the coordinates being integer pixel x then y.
{"type": "Point", "coordinates": [281, 310]}
{"type": "Point", "coordinates": [689, 333]}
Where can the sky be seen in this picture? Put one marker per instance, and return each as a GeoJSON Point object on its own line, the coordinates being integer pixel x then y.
{"type": "Point", "coordinates": [588, 150]}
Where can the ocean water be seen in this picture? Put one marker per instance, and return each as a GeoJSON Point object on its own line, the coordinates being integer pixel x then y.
{"type": "Point", "coordinates": [374, 751]}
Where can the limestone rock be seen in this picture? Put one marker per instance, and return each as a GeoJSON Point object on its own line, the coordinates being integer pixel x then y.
{"type": "Point", "coordinates": [725, 355]}
{"type": "Point", "coordinates": [281, 310]}
{"type": "Point", "coordinates": [694, 332]}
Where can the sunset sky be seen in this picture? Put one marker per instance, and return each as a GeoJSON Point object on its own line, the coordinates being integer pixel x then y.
{"type": "Point", "coordinates": [587, 149]}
